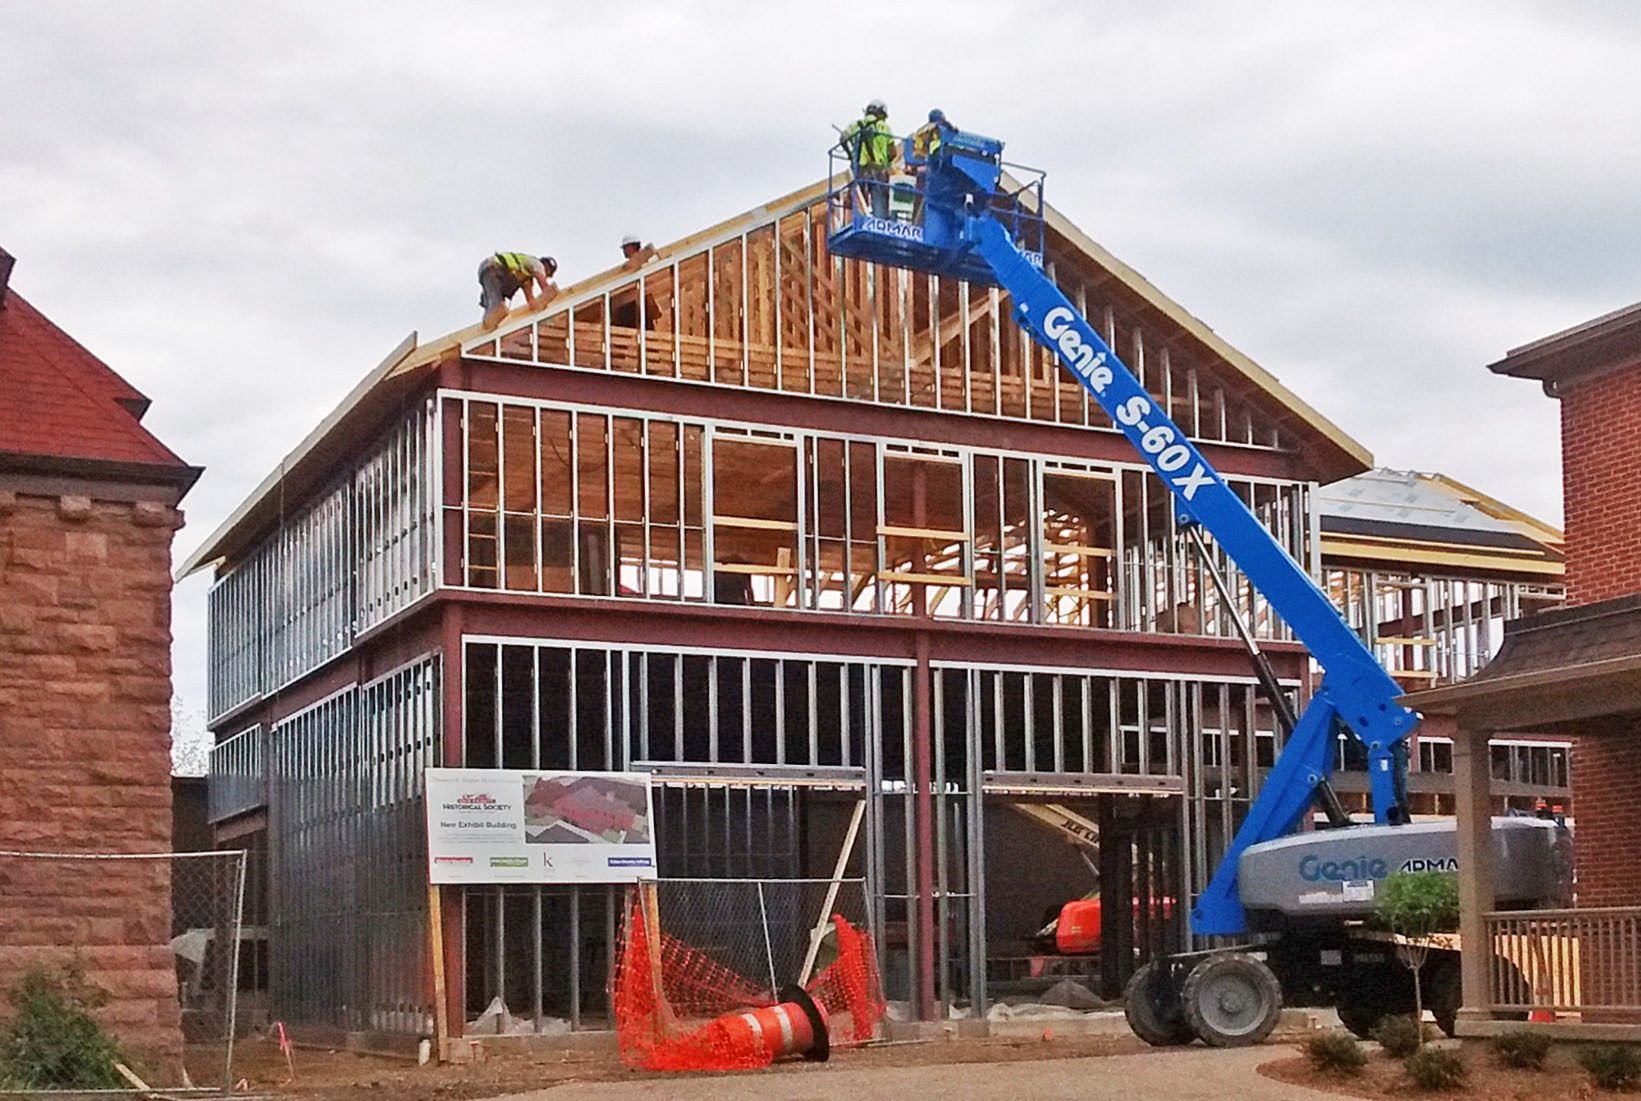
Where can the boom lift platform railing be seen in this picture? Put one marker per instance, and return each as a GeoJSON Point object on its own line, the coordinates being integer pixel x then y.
{"type": "Point", "coordinates": [955, 213]}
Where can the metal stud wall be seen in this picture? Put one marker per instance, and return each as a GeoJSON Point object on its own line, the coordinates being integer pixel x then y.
{"type": "Point", "coordinates": [347, 849]}
{"type": "Point", "coordinates": [594, 502]}
{"type": "Point", "coordinates": [238, 780]}
{"type": "Point", "coordinates": [357, 554]}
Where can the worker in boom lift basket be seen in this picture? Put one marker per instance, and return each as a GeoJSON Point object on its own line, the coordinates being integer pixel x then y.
{"type": "Point", "coordinates": [871, 148]}
{"type": "Point", "coordinates": [925, 142]}
{"type": "Point", "coordinates": [504, 273]}
{"type": "Point", "coordinates": [927, 138]}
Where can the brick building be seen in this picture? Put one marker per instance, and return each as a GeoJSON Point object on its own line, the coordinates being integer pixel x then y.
{"type": "Point", "coordinates": [1574, 672]}
{"type": "Point", "coordinates": [88, 509]}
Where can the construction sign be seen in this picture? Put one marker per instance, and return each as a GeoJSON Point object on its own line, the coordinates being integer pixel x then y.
{"type": "Point", "coordinates": [505, 826]}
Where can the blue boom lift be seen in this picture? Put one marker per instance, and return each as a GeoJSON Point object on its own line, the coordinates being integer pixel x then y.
{"type": "Point", "coordinates": [956, 214]}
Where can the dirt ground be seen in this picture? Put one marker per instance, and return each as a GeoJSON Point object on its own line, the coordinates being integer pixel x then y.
{"type": "Point", "coordinates": [345, 1076]}
{"type": "Point", "coordinates": [1383, 1078]}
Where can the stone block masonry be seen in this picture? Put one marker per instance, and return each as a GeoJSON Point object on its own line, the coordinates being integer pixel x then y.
{"type": "Point", "coordinates": [85, 718]}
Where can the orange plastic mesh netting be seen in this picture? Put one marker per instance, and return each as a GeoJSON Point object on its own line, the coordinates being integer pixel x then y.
{"type": "Point", "coordinates": [668, 998]}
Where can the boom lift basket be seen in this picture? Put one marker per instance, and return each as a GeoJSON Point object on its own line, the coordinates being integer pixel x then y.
{"type": "Point", "coordinates": [911, 216]}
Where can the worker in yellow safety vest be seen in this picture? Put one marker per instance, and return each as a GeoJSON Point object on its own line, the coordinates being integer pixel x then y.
{"type": "Point", "coordinates": [871, 148]}
{"type": "Point", "coordinates": [925, 143]}
{"type": "Point", "coordinates": [504, 273]}
{"type": "Point", "coordinates": [926, 139]}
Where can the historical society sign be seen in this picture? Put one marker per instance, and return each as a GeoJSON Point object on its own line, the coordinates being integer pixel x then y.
{"type": "Point", "coordinates": [505, 826]}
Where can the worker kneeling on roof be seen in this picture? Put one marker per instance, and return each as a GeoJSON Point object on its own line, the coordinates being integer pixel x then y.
{"type": "Point", "coordinates": [871, 148]}
{"type": "Point", "coordinates": [504, 273]}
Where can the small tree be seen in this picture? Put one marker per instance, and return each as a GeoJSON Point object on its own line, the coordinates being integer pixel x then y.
{"type": "Point", "coordinates": [1416, 906]}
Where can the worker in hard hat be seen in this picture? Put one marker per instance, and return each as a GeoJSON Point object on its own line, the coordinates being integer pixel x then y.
{"type": "Point", "coordinates": [871, 148]}
{"type": "Point", "coordinates": [925, 142]}
{"type": "Point", "coordinates": [504, 273]}
{"type": "Point", "coordinates": [635, 253]}
{"type": "Point", "coordinates": [926, 139]}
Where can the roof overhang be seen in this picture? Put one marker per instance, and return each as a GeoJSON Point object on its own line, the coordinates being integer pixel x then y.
{"type": "Point", "coordinates": [312, 460]}
{"type": "Point", "coordinates": [1575, 665]}
{"type": "Point", "coordinates": [1541, 699]}
{"type": "Point", "coordinates": [1597, 347]}
{"type": "Point", "coordinates": [171, 475]}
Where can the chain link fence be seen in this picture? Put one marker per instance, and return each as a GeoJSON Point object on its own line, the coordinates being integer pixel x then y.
{"type": "Point", "coordinates": [770, 932]}
{"type": "Point", "coordinates": [151, 943]}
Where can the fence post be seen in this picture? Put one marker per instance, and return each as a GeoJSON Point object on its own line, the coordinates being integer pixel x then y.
{"type": "Point", "coordinates": [769, 951]}
{"type": "Point", "coordinates": [233, 974]}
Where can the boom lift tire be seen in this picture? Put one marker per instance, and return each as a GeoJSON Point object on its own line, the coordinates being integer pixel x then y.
{"type": "Point", "coordinates": [1153, 1012]}
{"type": "Point", "coordinates": [1231, 1000]}
{"type": "Point", "coordinates": [1361, 1015]}
{"type": "Point", "coordinates": [1444, 990]}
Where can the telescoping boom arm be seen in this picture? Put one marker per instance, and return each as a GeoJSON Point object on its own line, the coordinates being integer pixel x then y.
{"type": "Point", "coordinates": [1355, 690]}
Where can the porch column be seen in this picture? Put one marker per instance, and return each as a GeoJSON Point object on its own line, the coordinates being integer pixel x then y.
{"type": "Point", "coordinates": [1473, 788]}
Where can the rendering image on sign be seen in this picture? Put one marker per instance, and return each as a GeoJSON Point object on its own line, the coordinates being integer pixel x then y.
{"type": "Point", "coordinates": [506, 826]}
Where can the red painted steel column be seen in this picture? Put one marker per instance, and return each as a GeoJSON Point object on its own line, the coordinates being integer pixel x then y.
{"type": "Point", "coordinates": [923, 766]}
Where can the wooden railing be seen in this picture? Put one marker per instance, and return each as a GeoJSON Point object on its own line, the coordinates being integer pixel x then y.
{"type": "Point", "coordinates": [1566, 961]}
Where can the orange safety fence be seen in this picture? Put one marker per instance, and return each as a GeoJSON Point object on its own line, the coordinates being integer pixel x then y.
{"type": "Point", "coordinates": [671, 1000]}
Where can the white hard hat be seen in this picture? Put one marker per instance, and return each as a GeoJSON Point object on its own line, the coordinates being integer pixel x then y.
{"type": "Point", "coordinates": [631, 239]}
{"type": "Point", "coordinates": [877, 106]}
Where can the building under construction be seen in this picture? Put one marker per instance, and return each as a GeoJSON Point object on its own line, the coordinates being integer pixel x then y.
{"type": "Point", "coordinates": [792, 533]}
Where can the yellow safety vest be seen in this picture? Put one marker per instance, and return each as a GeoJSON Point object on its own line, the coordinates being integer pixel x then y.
{"type": "Point", "coordinates": [519, 265]}
{"type": "Point", "coordinates": [870, 142]}
{"type": "Point", "coordinates": [926, 140]}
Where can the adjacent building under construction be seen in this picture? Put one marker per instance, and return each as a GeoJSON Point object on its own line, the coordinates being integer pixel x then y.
{"type": "Point", "coordinates": [795, 534]}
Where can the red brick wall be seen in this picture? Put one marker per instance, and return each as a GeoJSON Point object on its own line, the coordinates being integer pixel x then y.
{"type": "Point", "coordinates": [85, 717]}
{"type": "Point", "coordinates": [1606, 778]}
{"type": "Point", "coordinates": [1600, 469]}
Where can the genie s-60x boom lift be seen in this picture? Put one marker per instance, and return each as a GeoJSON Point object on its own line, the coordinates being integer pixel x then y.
{"type": "Point", "coordinates": [1302, 897]}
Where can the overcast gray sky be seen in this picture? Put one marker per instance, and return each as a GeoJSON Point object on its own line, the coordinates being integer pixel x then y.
{"type": "Point", "coordinates": [243, 207]}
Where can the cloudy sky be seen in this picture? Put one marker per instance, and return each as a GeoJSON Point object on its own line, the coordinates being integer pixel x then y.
{"type": "Point", "coordinates": [243, 207]}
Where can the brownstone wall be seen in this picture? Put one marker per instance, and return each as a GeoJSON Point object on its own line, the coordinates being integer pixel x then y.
{"type": "Point", "coordinates": [85, 717]}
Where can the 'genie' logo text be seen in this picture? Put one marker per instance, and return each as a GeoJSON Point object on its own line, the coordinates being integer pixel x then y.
{"type": "Point", "coordinates": [1160, 442]}
{"type": "Point", "coordinates": [1313, 869]}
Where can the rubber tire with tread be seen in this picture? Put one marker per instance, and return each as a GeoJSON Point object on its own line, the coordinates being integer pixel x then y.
{"type": "Point", "coordinates": [1360, 1016]}
{"type": "Point", "coordinates": [1444, 993]}
{"type": "Point", "coordinates": [1443, 990]}
{"type": "Point", "coordinates": [1255, 973]}
{"type": "Point", "coordinates": [1150, 1023]}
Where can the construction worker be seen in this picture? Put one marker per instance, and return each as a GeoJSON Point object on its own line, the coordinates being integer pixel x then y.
{"type": "Point", "coordinates": [624, 308]}
{"type": "Point", "coordinates": [504, 273]}
{"type": "Point", "coordinates": [871, 148]}
{"type": "Point", "coordinates": [927, 138]}
{"type": "Point", "coordinates": [635, 253]}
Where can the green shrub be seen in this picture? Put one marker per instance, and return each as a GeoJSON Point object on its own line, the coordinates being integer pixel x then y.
{"type": "Point", "coordinates": [1611, 1066]}
{"type": "Point", "coordinates": [51, 1041]}
{"type": "Point", "coordinates": [1432, 1068]}
{"type": "Point", "coordinates": [1335, 1051]}
{"type": "Point", "coordinates": [1522, 1048]}
{"type": "Point", "coordinates": [1398, 1035]}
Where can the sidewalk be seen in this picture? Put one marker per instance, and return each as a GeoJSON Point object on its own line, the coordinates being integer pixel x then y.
{"type": "Point", "coordinates": [1190, 1074]}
